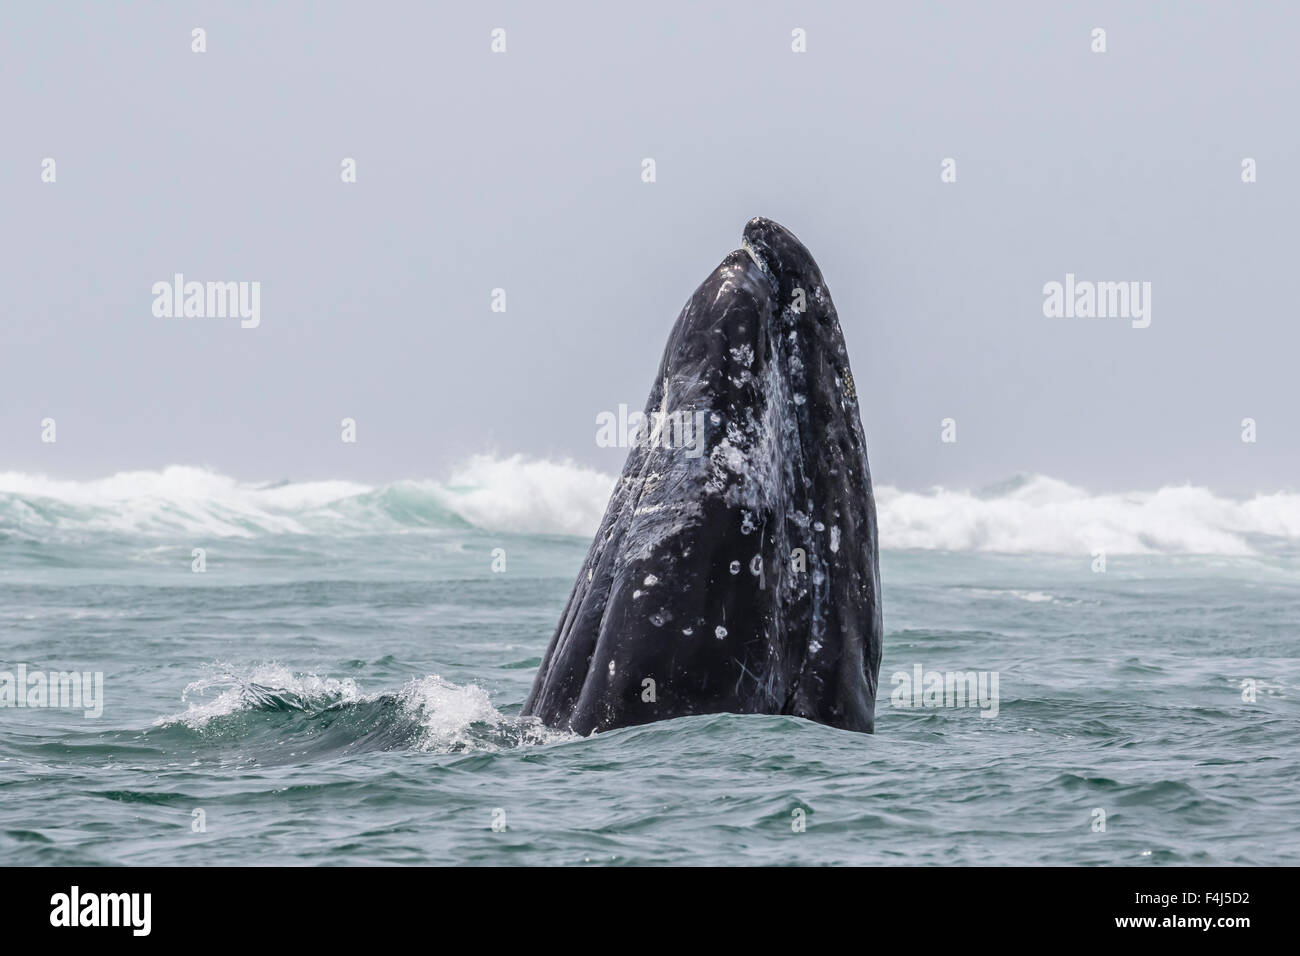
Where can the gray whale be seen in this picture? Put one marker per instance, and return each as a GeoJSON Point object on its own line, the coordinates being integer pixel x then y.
{"type": "Point", "coordinates": [735, 570]}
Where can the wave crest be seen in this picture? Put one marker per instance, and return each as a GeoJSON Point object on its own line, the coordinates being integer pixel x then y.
{"type": "Point", "coordinates": [1029, 514]}
{"type": "Point", "coordinates": [1043, 515]}
{"type": "Point", "coordinates": [512, 494]}
{"type": "Point", "coordinates": [325, 715]}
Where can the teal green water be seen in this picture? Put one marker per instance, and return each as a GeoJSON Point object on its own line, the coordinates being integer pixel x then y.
{"type": "Point", "coordinates": [352, 700]}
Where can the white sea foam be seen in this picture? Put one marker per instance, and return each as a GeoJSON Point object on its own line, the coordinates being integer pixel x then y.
{"type": "Point", "coordinates": [518, 494]}
{"type": "Point", "coordinates": [455, 717]}
{"type": "Point", "coordinates": [243, 689]}
{"type": "Point", "coordinates": [514, 494]}
{"type": "Point", "coordinates": [511, 494]}
{"type": "Point", "coordinates": [177, 499]}
{"type": "Point", "coordinates": [1044, 515]}
{"type": "Point", "coordinates": [446, 717]}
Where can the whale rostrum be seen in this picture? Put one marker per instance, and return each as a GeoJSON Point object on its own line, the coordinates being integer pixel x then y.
{"type": "Point", "coordinates": [736, 567]}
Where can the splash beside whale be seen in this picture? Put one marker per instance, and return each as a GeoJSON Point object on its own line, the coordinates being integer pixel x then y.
{"type": "Point", "coordinates": [735, 570]}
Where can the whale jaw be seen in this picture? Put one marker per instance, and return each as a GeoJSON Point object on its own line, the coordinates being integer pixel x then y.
{"type": "Point", "coordinates": [735, 570]}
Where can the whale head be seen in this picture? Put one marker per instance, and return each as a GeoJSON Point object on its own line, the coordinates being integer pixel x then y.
{"type": "Point", "coordinates": [737, 573]}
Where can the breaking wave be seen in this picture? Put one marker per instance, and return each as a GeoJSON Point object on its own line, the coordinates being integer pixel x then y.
{"type": "Point", "coordinates": [1043, 515]}
{"type": "Point", "coordinates": [1029, 514]}
{"type": "Point", "coordinates": [314, 716]}
{"type": "Point", "coordinates": [511, 494]}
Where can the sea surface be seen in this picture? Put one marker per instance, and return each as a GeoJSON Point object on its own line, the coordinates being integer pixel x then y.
{"type": "Point", "coordinates": [340, 684]}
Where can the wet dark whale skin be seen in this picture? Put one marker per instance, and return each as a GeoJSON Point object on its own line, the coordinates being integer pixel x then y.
{"type": "Point", "coordinates": [660, 624]}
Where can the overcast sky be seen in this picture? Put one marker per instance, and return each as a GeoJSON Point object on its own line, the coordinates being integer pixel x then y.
{"type": "Point", "coordinates": [523, 170]}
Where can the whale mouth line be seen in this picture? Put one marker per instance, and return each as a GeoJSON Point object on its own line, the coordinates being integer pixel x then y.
{"type": "Point", "coordinates": [759, 261]}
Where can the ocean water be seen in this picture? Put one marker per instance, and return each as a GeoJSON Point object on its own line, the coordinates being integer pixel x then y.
{"type": "Point", "coordinates": [341, 684]}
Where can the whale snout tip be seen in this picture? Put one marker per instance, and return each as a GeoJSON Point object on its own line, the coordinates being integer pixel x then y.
{"type": "Point", "coordinates": [765, 240]}
{"type": "Point", "coordinates": [776, 249]}
{"type": "Point", "coordinates": [762, 226]}
{"type": "Point", "coordinates": [763, 231]}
